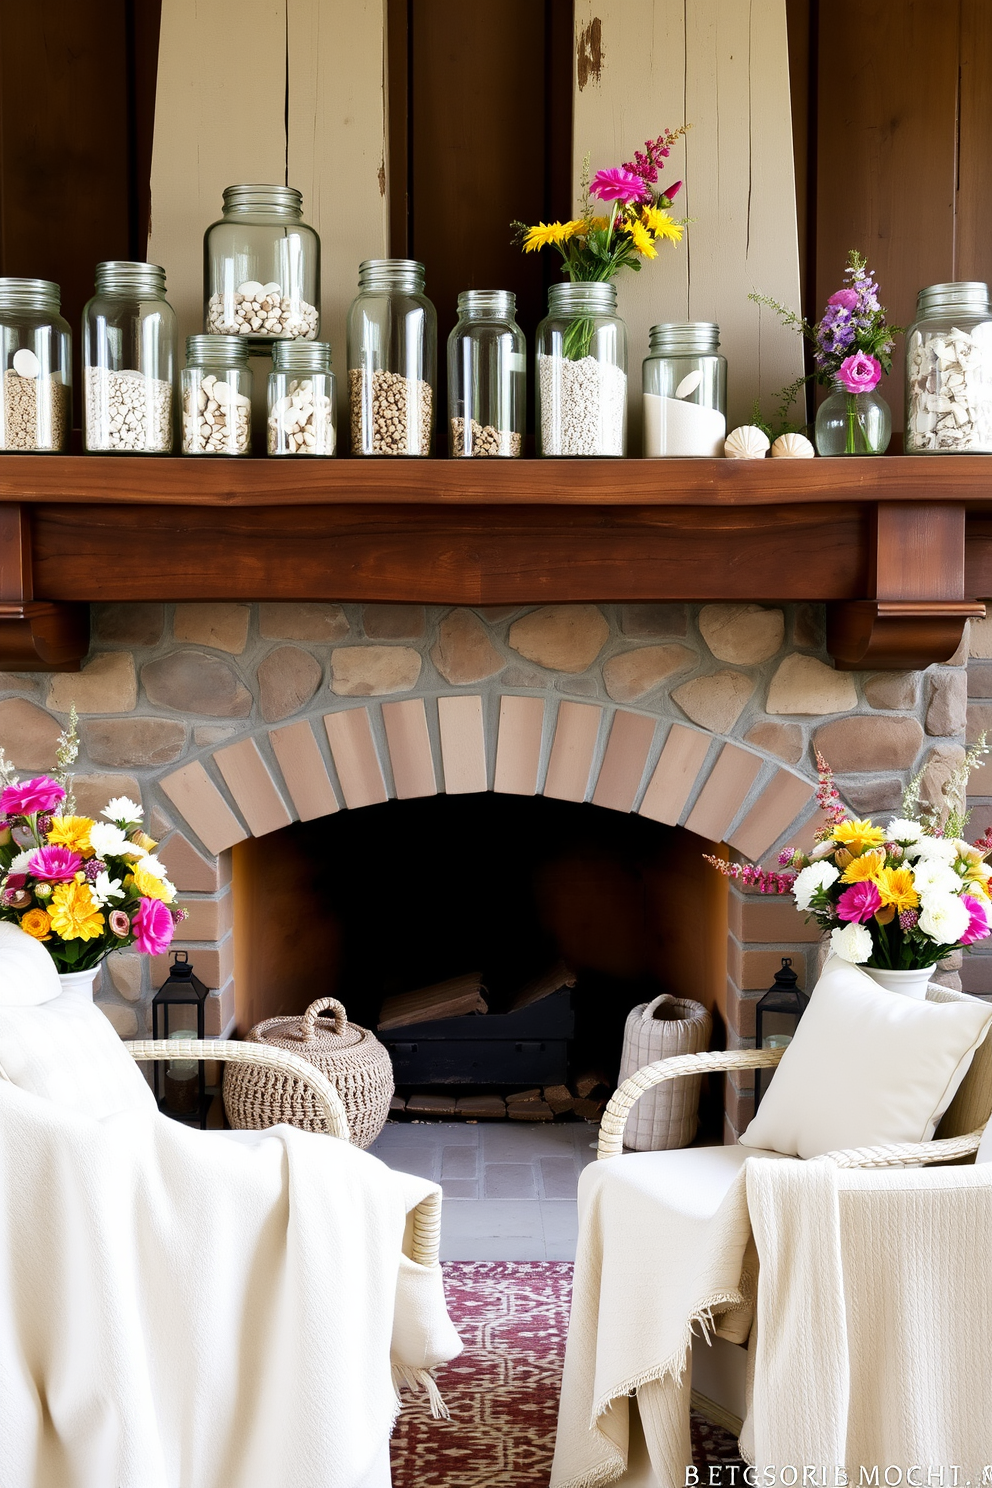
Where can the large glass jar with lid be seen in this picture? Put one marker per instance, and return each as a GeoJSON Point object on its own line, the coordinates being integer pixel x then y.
{"type": "Point", "coordinates": [36, 408]}
{"type": "Point", "coordinates": [949, 371]}
{"type": "Point", "coordinates": [685, 390]}
{"type": "Point", "coordinates": [129, 352]}
{"type": "Point", "coordinates": [487, 376]}
{"type": "Point", "coordinates": [582, 372]}
{"type": "Point", "coordinates": [261, 268]}
{"type": "Point", "coordinates": [216, 396]}
{"type": "Point", "coordinates": [392, 360]}
{"type": "Point", "coordinates": [301, 412]}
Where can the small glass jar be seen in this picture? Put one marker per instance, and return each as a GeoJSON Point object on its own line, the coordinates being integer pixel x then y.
{"type": "Point", "coordinates": [261, 268]}
{"type": "Point", "coordinates": [487, 376]}
{"type": "Point", "coordinates": [685, 391]}
{"type": "Point", "coordinates": [392, 360]}
{"type": "Point", "coordinates": [216, 396]}
{"type": "Point", "coordinates": [36, 408]}
{"type": "Point", "coordinates": [949, 371]}
{"type": "Point", "coordinates": [129, 351]}
{"type": "Point", "coordinates": [302, 419]}
{"type": "Point", "coordinates": [582, 372]}
{"type": "Point", "coordinates": [853, 423]}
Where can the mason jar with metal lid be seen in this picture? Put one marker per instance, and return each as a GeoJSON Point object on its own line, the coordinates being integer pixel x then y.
{"type": "Point", "coordinates": [685, 390]}
{"type": "Point", "coordinates": [36, 408]}
{"type": "Point", "coordinates": [129, 351]}
{"type": "Point", "coordinates": [261, 268]}
{"type": "Point", "coordinates": [581, 362]}
{"type": "Point", "coordinates": [392, 360]}
{"type": "Point", "coordinates": [487, 376]}
{"type": "Point", "coordinates": [216, 396]}
{"type": "Point", "coordinates": [949, 371]}
{"type": "Point", "coordinates": [301, 412]}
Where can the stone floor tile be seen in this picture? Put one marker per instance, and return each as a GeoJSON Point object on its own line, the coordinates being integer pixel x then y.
{"type": "Point", "coordinates": [509, 1180]}
{"type": "Point", "coordinates": [497, 1230]}
{"type": "Point", "coordinates": [525, 1142]}
{"type": "Point", "coordinates": [460, 1188]}
{"type": "Point", "coordinates": [459, 1162]}
{"type": "Point", "coordinates": [559, 1176]}
{"type": "Point", "coordinates": [424, 1161]}
{"type": "Point", "coordinates": [560, 1220]}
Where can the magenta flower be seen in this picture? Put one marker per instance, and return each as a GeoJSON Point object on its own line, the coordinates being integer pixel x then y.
{"type": "Point", "coordinates": [978, 924]}
{"type": "Point", "coordinates": [54, 864]}
{"type": "Point", "coordinates": [610, 185]}
{"type": "Point", "coordinates": [847, 299]}
{"type": "Point", "coordinates": [31, 796]}
{"type": "Point", "coordinates": [153, 927]}
{"type": "Point", "coordinates": [859, 902]}
{"type": "Point", "coordinates": [860, 373]}
{"type": "Point", "coordinates": [119, 923]}
{"type": "Point", "coordinates": [670, 193]}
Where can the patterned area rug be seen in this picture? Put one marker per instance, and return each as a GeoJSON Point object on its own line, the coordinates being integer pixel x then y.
{"type": "Point", "coordinates": [503, 1390]}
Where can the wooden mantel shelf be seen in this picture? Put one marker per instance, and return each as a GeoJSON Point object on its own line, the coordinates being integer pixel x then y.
{"type": "Point", "coordinates": [899, 548]}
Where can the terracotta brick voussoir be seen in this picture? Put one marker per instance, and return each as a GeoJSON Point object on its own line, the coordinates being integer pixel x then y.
{"type": "Point", "coordinates": [189, 869]}
{"type": "Point", "coordinates": [133, 741]}
{"type": "Point", "coordinates": [805, 685]}
{"type": "Point", "coordinates": [287, 679]}
{"type": "Point", "coordinates": [214, 623]}
{"type": "Point", "coordinates": [107, 684]}
{"type": "Point", "coordinates": [563, 638]}
{"type": "Point", "coordinates": [373, 671]}
{"type": "Point", "coordinates": [194, 682]}
{"type": "Point", "coordinates": [715, 702]}
{"type": "Point", "coordinates": [869, 742]}
{"type": "Point", "coordinates": [744, 633]}
{"type": "Point", "coordinates": [28, 735]}
{"type": "Point", "coordinates": [464, 652]}
{"type": "Point", "coordinates": [302, 620]}
{"type": "Point", "coordinates": [633, 674]}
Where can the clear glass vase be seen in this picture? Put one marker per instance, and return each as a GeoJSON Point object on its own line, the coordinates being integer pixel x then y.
{"type": "Point", "coordinates": [853, 423]}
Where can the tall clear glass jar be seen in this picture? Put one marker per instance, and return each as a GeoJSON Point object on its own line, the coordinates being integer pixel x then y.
{"type": "Point", "coordinates": [36, 408]}
{"type": "Point", "coordinates": [261, 268]}
{"type": "Point", "coordinates": [129, 352]}
{"type": "Point", "coordinates": [301, 412]}
{"type": "Point", "coordinates": [487, 376]}
{"type": "Point", "coordinates": [582, 372]}
{"type": "Point", "coordinates": [685, 390]}
{"type": "Point", "coordinates": [392, 360]}
{"type": "Point", "coordinates": [216, 396]}
{"type": "Point", "coordinates": [949, 371]}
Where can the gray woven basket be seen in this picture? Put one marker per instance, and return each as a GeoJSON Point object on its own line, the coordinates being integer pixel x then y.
{"type": "Point", "coordinates": [351, 1057]}
{"type": "Point", "coordinates": [667, 1116]}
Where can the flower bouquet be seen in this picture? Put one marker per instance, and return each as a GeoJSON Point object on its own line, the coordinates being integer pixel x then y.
{"type": "Point", "coordinates": [897, 898]}
{"type": "Point", "coordinates": [82, 887]}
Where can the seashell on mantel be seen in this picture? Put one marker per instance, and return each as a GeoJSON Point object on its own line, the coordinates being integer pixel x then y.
{"type": "Point", "coordinates": [746, 443]}
{"type": "Point", "coordinates": [792, 447]}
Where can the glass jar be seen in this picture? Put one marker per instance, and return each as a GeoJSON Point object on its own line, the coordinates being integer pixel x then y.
{"type": "Point", "coordinates": [949, 371]}
{"type": "Point", "coordinates": [261, 268]}
{"type": "Point", "coordinates": [216, 396]}
{"type": "Point", "coordinates": [487, 376]}
{"type": "Point", "coordinates": [129, 350]}
{"type": "Point", "coordinates": [685, 390]}
{"type": "Point", "coordinates": [36, 408]}
{"type": "Point", "coordinates": [392, 360]}
{"type": "Point", "coordinates": [853, 423]}
{"type": "Point", "coordinates": [302, 420]}
{"type": "Point", "coordinates": [582, 372]}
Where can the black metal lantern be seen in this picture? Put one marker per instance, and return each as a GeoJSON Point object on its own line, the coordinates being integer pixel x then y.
{"type": "Point", "coordinates": [777, 1015]}
{"type": "Point", "coordinates": [177, 1013]}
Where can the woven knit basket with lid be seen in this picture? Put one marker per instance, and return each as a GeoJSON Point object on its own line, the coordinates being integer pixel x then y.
{"type": "Point", "coordinates": [351, 1057]}
{"type": "Point", "coordinates": [667, 1116]}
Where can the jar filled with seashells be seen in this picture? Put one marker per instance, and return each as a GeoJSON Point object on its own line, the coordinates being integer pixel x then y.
{"type": "Point", "coordinates": [685, 391]}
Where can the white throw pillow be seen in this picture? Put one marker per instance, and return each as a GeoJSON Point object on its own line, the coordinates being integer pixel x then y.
{"type": "Point", "coordinates": [67, 1052]}
{"type": "Point", "coordinates": [27, 971]}
{"type": "Point", "coordinates": [866, 1067]}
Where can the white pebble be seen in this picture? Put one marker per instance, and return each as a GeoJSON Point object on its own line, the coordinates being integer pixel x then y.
{"type": "Point", "coordinates": [26, 364]}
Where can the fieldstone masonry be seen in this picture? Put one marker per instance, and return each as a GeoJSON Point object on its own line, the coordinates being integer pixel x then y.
{"type": "Point", "coordinates": [230, 720]}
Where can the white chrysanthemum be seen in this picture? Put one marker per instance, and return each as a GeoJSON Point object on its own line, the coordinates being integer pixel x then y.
{"type": "Point", "coordinates": [19, 864]}
{"type": "Point", "coordinates": [902, 831]}
{"type": "Point", "coordinates": [941, 848]}
{"type": "Point", "coordinates": [107, 840]}
{"type": "Point", "coordinates": [930, 876]}
{"type": "Point", "coordinates": [153, 866]}
{"type": "Point", "coordinates": [105, 889]}
{"type": "Point", "coordinates": [816, 876]}
{"type": "Point", "coordinates": [122, 809]}
{"type": "Point", "coordinates": [823, 850]}
{"type": "Point", "coordinates": [853, 943]}
{"type": "Point", "coordinates": [943, 918]}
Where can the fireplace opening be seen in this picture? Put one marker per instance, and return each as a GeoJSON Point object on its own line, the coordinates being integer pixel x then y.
{"type": "Point", "coordinates": [368, 904]}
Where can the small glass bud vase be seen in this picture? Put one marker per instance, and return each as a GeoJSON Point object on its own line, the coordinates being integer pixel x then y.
{"type": "Point", "coordinates": [853, 423]}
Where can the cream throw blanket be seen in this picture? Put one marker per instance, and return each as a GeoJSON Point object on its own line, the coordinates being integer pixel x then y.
{"type": "Point", "coordinates": [186, 1309]}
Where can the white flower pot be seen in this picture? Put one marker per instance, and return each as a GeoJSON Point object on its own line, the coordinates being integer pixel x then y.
{"type": "Point", "coordinates": [908, 983]}
{"type": "Point", "coordinates": [78, 983]}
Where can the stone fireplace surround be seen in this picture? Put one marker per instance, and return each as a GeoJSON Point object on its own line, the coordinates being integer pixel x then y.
{"type": "Point", "coordinates": [230, 720]}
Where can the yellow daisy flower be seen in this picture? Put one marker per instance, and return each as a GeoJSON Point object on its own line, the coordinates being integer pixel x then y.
{"type": "Point", "coordinates": [151, 887]}
{"type": "Point", "coordinates": [641, 239]}
{"type": "Point", "coordinates": [74, 913]}
{"type": "Point", "coordinates": [895, 885]}
{"type": "Point", "coordinates": [859, 869]}
{"type": "Point", "coordinates": [545, 233]}
{"type": "Point", "coordinates": [659, 223]}
{"type": "Point", "coordinates": [37, 923]}
{"type": "Point", "coordinates": [72, 832]}
{"type": "Point", "coordinates": [858, 835]}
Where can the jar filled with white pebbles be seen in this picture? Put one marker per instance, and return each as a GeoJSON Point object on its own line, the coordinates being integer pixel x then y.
{"type": "Point", "coordinates": [302, 417]}
{"type": "Point", "coordinates": [36, 407]}
{"type": "Point", "coordinates": [129, 349]}
{"type": "Point", "coordinates": [949, 371]}
{"type": "Point", "coordinates": [582, 372]}
{"type": "Point", "coordinates": [215, 396]}
{"type": "Point", "coordinates": [487, 376]}
{"type": "Point", "coordinates": [261, 268]}
{"type": "Point", "coordinates": [685, 391]}
{"type": "Point", "coordinates": [392, 360]}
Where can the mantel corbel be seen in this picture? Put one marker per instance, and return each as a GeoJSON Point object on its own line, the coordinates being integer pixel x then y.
{"type": "Point", "coordinates": [36, 635]}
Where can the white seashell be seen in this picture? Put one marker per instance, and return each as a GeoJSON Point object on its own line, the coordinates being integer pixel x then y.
{"type": "Point", "coordinates": [689, 384]}
{"type": "Point", "coordinates": [26, 364]}
{"type": "Point", "coordinates": [250, 290]}
{"type": "Point", "coordinates": [792, 447]}
{"type": "Point", "coordinates": [746, 443]}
